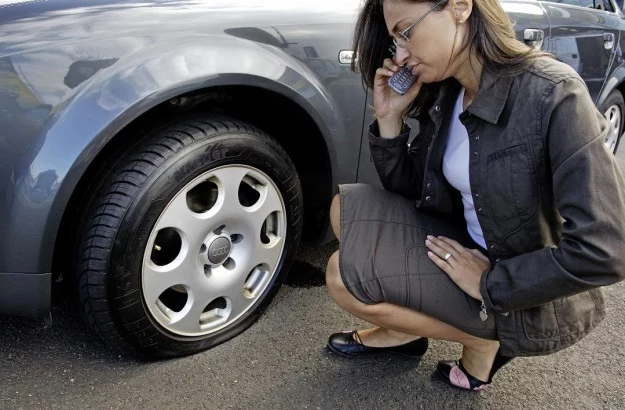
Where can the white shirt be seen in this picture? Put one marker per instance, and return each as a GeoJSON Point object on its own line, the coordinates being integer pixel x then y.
{"type": "Point", "coordinates": [456, 170]}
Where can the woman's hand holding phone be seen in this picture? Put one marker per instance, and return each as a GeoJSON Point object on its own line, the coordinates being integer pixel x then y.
{"type": "Point", "coordinates": [388, 104]}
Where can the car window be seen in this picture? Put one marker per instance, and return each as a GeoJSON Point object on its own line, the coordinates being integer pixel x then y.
{"type": "Point", "coordinates": [580, 3]}
{"type": "Point", "coordinates": [608, 6]}
{"type": "Point", "coordinates": [593, 4]}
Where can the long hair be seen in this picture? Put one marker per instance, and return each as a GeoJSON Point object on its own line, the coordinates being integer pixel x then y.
{"type": "Point", "coordinates": [490, 37]}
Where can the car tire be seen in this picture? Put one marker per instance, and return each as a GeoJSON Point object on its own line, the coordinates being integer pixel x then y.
{"type": "Point", "coordinates": [170, 217]}
{"type": "Point", "coordinates": [613, 109]}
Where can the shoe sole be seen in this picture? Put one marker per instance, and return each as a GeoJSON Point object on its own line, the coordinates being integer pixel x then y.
{"type": "Point", "coordinates": [381, 353]}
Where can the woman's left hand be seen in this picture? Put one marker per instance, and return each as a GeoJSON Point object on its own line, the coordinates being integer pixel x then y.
{"type": "Point", "coordinates": [464, 266]}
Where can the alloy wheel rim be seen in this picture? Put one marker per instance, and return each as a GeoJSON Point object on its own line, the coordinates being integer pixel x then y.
{"type": "Point", "coordinates": [613, 116]}
{"type": "Point", "coordinates": [214, 250]}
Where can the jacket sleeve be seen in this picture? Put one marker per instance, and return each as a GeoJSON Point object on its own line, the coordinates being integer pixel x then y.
{"type": "Point", "coordinates": [396, 168]}
{"type": "Point", "coordinates": [589, 194]}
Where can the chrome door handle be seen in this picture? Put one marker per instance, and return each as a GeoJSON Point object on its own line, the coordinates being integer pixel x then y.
{"type": "Point", "coordinates": [608, 40]}
{"type": "Point", "coordinates": [534, 37]}
{"type": "Point", "coordinates": [346, 56]}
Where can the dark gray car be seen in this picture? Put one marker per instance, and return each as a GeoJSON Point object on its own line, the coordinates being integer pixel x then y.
{"type": "Point", "coordinates": [166, 158]}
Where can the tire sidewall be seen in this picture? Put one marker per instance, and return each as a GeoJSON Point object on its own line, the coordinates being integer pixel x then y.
{"type": "Point", "coordinates": [124, 278]}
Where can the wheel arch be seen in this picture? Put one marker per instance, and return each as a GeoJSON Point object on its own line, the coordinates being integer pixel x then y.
{"type": "Point", "coordinates": [313, 158]}
{"type": "Point", "coordinates": [281, 96]}
{"type": "Point", "coordinates": [616, 81]}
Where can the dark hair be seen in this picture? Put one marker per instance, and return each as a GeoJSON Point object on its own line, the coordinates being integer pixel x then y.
{"type": "Point", "coordinates": [490, 36]}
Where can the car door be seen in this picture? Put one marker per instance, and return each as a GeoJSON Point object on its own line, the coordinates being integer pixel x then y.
{"type": "Point", "coordinates": [531, 26]}
{"type": "Point", "coordinates": [584, 34]}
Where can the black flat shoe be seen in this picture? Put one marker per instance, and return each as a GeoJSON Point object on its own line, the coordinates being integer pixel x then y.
{"type": "Point", "coordinates": [454, 373]}
{"type": "Point", "coordinates": [348, 344]}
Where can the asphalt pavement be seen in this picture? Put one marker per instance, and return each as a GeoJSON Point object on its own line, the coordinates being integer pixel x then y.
{"type": "Point", "coordinates": [281, 363]}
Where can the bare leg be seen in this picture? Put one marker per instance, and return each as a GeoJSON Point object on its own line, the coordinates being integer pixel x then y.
{"type": "Point", "coordinates": [335, 216]}
{"type": "Point", "coordinates": [399, 324]}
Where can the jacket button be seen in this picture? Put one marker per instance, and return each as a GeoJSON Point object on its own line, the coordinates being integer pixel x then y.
{"type": "Point", "coordinates": [506, 314]}
{"type": "Point", "coordinates": [479, 210]}
{"type": "Point", "coordinates": [497, 260]}
{"type": "Point", "coordinates": [437, 108]}
{"type": "Point", "coordinates": [475, 153]}
{"type": "Point", "coordinates": [492, 247]}
{"type": "Point", "coordinates": [428, 198]}
{"type": "Point", "coordinates": [477, 195]}
{"type": "Point", "coordinates": [429, 185]}
{"type": "Point", "coordinates": [477, 137]}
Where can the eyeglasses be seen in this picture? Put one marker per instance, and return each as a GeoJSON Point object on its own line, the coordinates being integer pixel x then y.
{"type": "Point", "coordinates": [400, 42]}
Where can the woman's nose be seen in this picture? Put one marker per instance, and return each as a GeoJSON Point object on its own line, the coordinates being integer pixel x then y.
{"type": "Point", "coordinates": [401, 55]}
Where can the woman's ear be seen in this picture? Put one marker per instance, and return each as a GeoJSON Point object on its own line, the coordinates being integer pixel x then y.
{"type": "Point", "coordinates": [461, 9]}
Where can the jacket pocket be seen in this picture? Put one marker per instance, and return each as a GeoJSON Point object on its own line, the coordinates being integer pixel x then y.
{"type": "Point", "coordinates": [562, 317]}
{"type": "Point", "coordinates": [575, 313]}
{"type": "Point", "coordinates": [512, 180]}
{"type": "Point", "coordinates": [541, 322]}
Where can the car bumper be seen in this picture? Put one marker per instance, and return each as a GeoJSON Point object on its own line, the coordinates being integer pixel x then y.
{"type": "Point", "coordinates": [25, 294]}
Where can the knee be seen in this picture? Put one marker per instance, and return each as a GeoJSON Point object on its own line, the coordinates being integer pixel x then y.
{"type": "Point", "coordinates": [335, 215]}
{"type": "Point", "coordinates": [336, 288]}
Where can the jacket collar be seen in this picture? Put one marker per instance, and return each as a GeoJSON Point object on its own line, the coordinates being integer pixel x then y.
{"type": "Point", "coordinates": [492, 95]}
{"type": "Point", "coordinates": [488, 103]}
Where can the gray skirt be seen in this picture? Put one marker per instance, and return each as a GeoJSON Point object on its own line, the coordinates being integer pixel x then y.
{"type": "Point", "coordinates": [383, 258]}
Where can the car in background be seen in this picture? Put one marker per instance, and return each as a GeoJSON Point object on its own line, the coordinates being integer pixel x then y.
{"type": "Point", "coordinates": [166, 158]}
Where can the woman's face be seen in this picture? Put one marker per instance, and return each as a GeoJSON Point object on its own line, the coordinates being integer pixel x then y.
{"type": "Point", "coordinates": [431, 40]}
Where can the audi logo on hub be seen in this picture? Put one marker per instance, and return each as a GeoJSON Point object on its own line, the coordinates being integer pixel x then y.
{"type": "Point", "coordinates": [221, 251]}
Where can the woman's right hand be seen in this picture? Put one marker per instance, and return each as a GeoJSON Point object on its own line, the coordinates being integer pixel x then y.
{"type": "Point", "coordinates": [390, 106]}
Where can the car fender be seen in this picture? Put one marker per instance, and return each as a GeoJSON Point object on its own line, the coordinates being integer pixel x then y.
{"type": "Point", "coordinates": [110, 100]}
{"type": "Point", "coordinates": [614, 81]}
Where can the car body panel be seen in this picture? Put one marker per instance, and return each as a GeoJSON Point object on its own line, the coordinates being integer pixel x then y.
{"type": "Point", "coordinates": [25, 295]}
{"type": "Point", "coordinates": [577, 38]}
{"type": "Point", "coordinates": [75, 86]}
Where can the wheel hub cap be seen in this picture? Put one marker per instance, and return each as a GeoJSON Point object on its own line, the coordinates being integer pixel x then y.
{"type": "Point", "coordinates": [214, 250]}
{"type": "Point", "coordinates": [217, 250]}
{"type": "Point", "coordinates": [613, 115]}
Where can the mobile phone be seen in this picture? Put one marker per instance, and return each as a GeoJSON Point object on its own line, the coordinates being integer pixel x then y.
{"type": "Point", "coordinates": [402, 80]}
